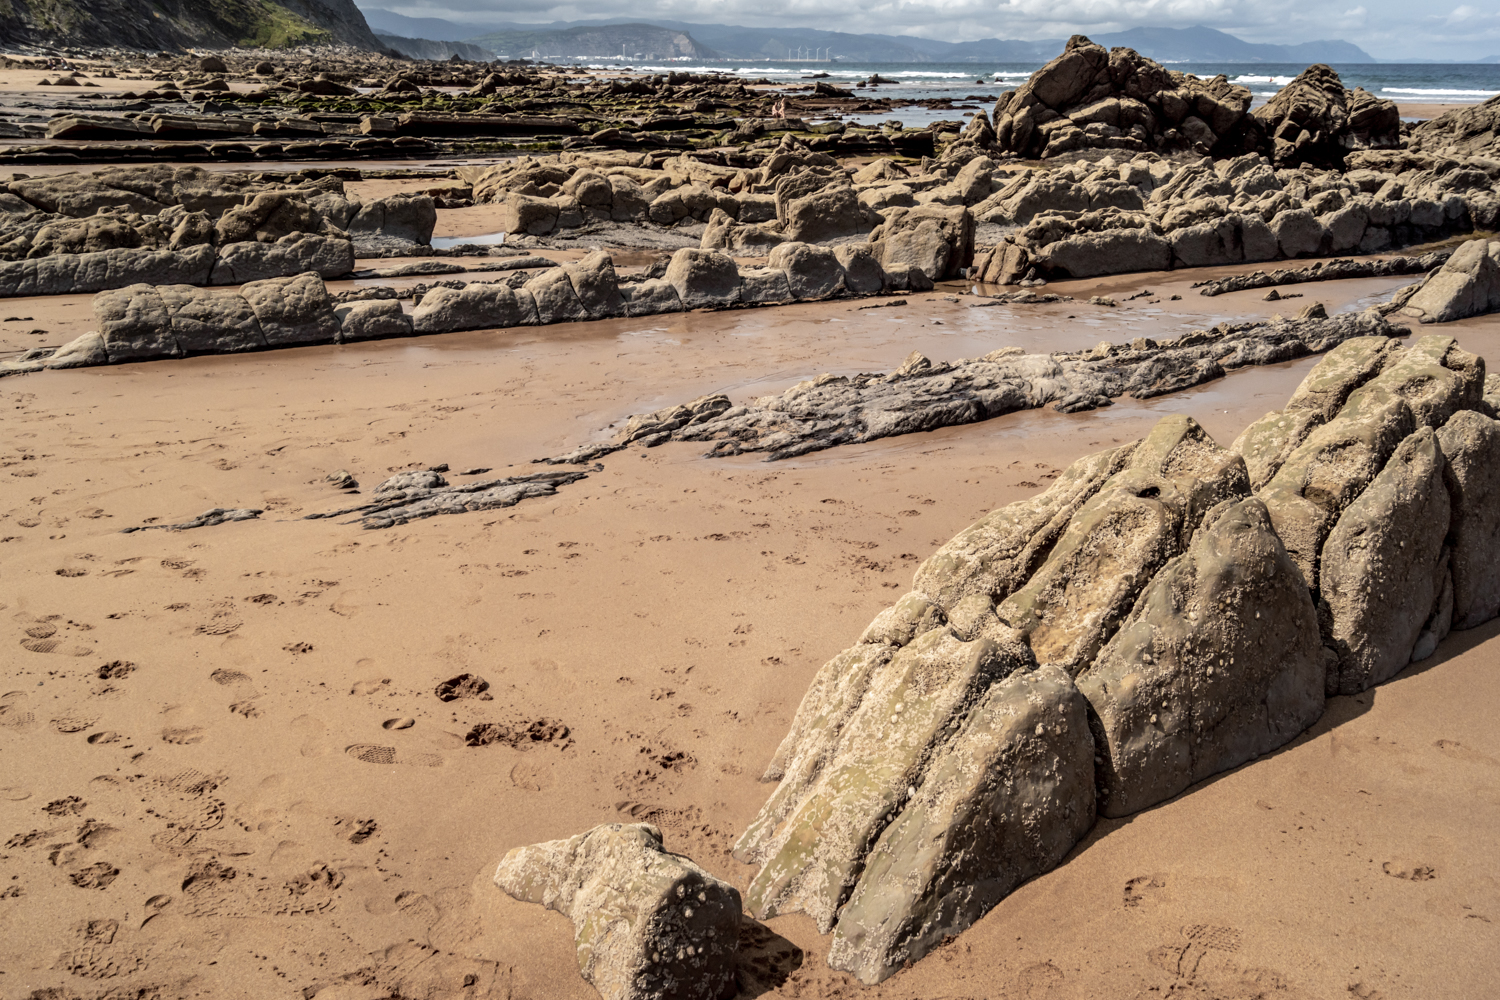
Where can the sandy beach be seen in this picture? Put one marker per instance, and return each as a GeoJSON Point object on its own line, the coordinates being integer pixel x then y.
{"type": "Point", "coordinates": [230, 737]}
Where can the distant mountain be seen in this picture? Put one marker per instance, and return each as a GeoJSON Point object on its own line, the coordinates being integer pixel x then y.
{"type": "Point", "coordinates": [1196, 44]}
{"type": "Point", "coordinates": [388, 22]}
{"type": "Point", "coordinates": [632, 41]}
{"type": "Point", "coordinates": [427, 48]}
{"type": "Point", "coordinates": [1200, 44]}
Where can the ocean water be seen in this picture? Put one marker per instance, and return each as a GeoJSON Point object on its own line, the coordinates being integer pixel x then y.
{"type": "Point", "coordinates": [1407, 83]}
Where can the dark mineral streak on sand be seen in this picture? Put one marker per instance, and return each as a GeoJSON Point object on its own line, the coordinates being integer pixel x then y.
{"type": "Point", "coordinates": [274, 797]}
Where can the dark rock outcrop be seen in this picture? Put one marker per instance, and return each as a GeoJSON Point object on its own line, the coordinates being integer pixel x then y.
{"type": "Point", "coordinates": [1314, 120]}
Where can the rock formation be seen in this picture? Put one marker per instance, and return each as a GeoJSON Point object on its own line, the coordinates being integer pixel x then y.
{"type": "Point", "coordinates": [1090, 98]}
{"type": "Point", "coordinates": [1093, 98]}
{"type": "Point", "coordinates": [1461, 132]}
{"type": "Point", "coordinates": [1313, 120]}
{"type": "Point", "coordinates": [924, 395]}
{"type": "Point", "coordinates": [649, 925]}
{"type": "Point", "coordinates": [1147, 213]}
{"type": "Point", "coordinates": [1164, 612]}
{"type": "Point", "coordinates": [85, 232]}
{"type": "Point", "coordinates": [1468, 284]}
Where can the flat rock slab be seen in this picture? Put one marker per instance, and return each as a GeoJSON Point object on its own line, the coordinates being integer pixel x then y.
{"type": "Point", "coordinates": [923, 395]}
{"type": "Point", "coordinates": [401, 504]}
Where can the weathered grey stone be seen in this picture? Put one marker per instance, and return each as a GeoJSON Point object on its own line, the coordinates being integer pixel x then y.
{"type": "Point", "coordinates": [1011, 794]}
{"type": "Point", "coordinates": [1219, 661]}
{"type": "Point", "coordinates": [863, 274]}
{"type": "Point", "coordinates": [82, 352]}
{"type": "Point", "coordinates": [814, 856]}
{"type": "Point", "coordinates": [937, 240]}
{"type": "Point", "coordinates": [724, 233]}
{"type": "Point", "coordinates": [834, 410]}
{"type": "Point", "coordinates": [704, 279]}
{"type": "Point", "coordinates": [134, 324]}
{"type": "Point", "coordinates": [1467, 285]}
{"type": "Point", "coordinates": [398, 218]}
{"type": "Point", "coordinates": [811, 272]}
{"type": "Point", "coordinates": [61, 274]}
{"type": "Point", "coordinates": [1141, 517]}
{"type": "Point", "coordinates": [556, 302]}
{"type": "Point", "coordinates": [1471, 444]}
{"type": "Point", "coordinates": [1384, 565]}
{"type": "Point", "coordinates": [241, 262]}
{"type": "Point", "coordinates": [764, 286]}
{"type": "Point", "coordinates": [523, 213]}
{"type": "Point", "coordinates": [1330, 468]}
{"type": "Point", "coordinates": [1266, 444]}
{"type": "Point", "coordinates": [1297, 232]}
{"type": "Point", "coordinates": [648, 924]}
{"type": "Point", "coordinates": [207, 323]}
{"type": "Point", "coordinates": [828, 210]}
{"type": "Point", "coordinates": [996, 554]}
{"type": "Point", "coordinates": [649, 297]}
{"type": "Point", "coordinates": [372, 319]}
{"type": "Point", "coordinates": [476, 307]}
{"type": "Point", "coordinates": [293, 310]}
{"type": "Point", "coordinates": [1112, 251]}
{"type": "Point", "coordinates": [596, 286]}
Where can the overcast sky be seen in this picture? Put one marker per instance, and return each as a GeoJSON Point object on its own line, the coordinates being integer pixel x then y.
{"type": "Point", "coordinates": [1389, 29]}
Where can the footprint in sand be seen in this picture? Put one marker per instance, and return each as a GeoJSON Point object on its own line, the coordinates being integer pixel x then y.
{"type": "Point", "coordinates": [315, 741]}
{"type": "Point", "coordinates": [73, 721]}
{"type": "Point", "coordinates": [183, 735]}
{"type": "Point", "coordinates": [15, 711]}
{"type": "Point", "coordinates": [43, 637]}
{"type": "Point", "coordinates": [372, 754]}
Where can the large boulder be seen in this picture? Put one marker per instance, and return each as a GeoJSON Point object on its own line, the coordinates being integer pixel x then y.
{"type": "Point", "coordinates": [812, 272]}
{"type": "Point", "coordinates": [1086, 255]}
{"type": "Point", "coordinates": [596, 285]}
{"type": "Point", "coordinates": [704, 279]}
{"type": "Point", "coordinates": [1422, 386]}
{"type": "Point", "coordinates": [134, 324]}
{"type": "Point", "coordinates": [476, 307]}
{"type": "Point", "coordinates": [61, 274]}
{"type": "Point", "coordinates": [648, 924]}
{"type": "Point", "coordinates": [1185, 690]}
{"type": "Point", "coordinates": [1090, 98]}
{"type": "Point", "coordinates": [1463, 131]}
{"type": "Point", "coordinates": [813, 207]}
{"type": "Point", "coordinates": [292, 310]}
{"type": "Point", "coordinates": [372, 319]}
{"type": "Point", "coordinates": [993, 557]}
{"type": "Point", "coordinates": [937, 240]}
{"type": "Point", "coordinates": [1471, 445]}
{"type": "Point", "coordinates": [650, 297]}
{"type": "Point", "coordinates": [1384, 568]}
{"type": "Point", "coordinates": [723, 232]}
{"type": "Point", "coordinates": [1468, 284]}
{"type": "Point", "coordinates": [1314, 120]}
{"type": "Point", "coordinates": [556, 302]}
{"type": "Point", "coordinates": [205, 322]}
{"type": "Point", "coordinates": [394, 223]}
{"type": "Point", "coordinates": [268, 217]}
{"type": "Point", "coordinates": [329, 257]}
{"type": "Point", "coordinates": [966, 838]}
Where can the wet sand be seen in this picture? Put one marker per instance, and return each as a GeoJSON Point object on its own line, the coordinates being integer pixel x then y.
{"type": "Point", "coordinates": [670, 610]}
